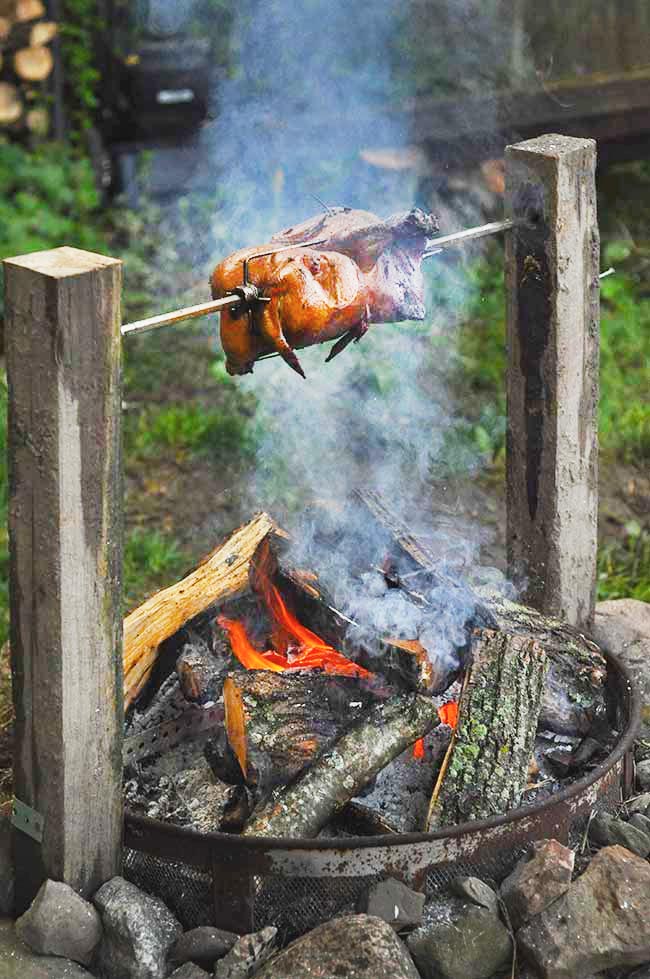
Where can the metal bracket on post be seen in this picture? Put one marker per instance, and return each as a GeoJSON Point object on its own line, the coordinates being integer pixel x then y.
{"type": "Point", "coordinates": [26, 819]}
{"type": "Point", "coordinates": [552, 279]}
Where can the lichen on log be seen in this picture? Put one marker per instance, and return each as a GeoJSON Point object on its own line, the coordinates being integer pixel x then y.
{"type": "Point", "coordinates": [307, 804]}
{"type": "Point", "coordinates": [497, 723]}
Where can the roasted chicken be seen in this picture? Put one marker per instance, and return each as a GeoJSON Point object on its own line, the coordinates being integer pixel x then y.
{"type": "Point", "coordinates": [359, 270]}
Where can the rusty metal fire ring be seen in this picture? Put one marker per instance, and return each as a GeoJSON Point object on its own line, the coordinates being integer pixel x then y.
{"type": "Point", "coordinates": [239, 865]}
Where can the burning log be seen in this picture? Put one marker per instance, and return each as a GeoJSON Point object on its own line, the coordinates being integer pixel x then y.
{"type": "Point", "coordinates": [340, 772]}
{"type": "Point", "coordinates": [276, 723]}
{"type": "Point", "coordinates": [223, 575]}
{"type": "Point", "coordinates": [201, 673]}
{"type": "Point", "coordinates": [486, 768]}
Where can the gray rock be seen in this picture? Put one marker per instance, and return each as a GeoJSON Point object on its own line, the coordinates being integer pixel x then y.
{"type": "Point", "coordinates": [537, 881]}
{"type": "Point", "coordinates": [640, 821]}
{"type": "Point", "coordinates": [353, 947]}
{"type": "Point", "coordinates": [139, 931]}
{"type": "Point", "coordinates": [247, 955]}
{"type": "Point", "coordinates": [609, 831]}
{"type": "Point", "coordinates": [622, 626]}
{"type": "Point", "coordinates": [602, 921]}
{"type": "Point", "coordinates": [60, 922]}
{"type": "Point", "coordinates": [189, 970]}
{"type": "Point", "coordinates": [459, 940]}
{"type": "Point", "coordinates": [642, 770]}
{"type": "Point", "coordinates": [642, 973]}
{"type": "Point", "coordinates": [475, 890]}
{"type": "Point", "coordinates": [6, 867]}
{"type": "Point", "coordinates": [639, 804]}
{"type": "Point", "coordinates": [393, 902]}
{"type": "Point", "coordinates": [203, 945]}
{"type": "Point", "coordinates": [17, 961]}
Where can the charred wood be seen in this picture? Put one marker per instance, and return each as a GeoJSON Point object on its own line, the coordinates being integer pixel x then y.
{"type": "Point", "coordinates": [200, 672]}
{"type": "Point", "coordinates": [493, 744]}
{"type": "Point", "coordinates": [341, 771]}
{"type": "Point", "coordinates": [276, 723]}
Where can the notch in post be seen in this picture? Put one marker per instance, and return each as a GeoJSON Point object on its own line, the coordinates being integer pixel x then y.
{"type": "Point", "coordinates": [552, 269]}
{"type": "Point", "coordinates": [65, 517]}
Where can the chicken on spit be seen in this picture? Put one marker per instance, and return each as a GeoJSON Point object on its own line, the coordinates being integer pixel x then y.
{"type": "Point", "coordinates": [359, 270]}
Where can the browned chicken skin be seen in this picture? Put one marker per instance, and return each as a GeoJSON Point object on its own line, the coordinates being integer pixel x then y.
{"type": "Point", "coordinates": [368, 272]}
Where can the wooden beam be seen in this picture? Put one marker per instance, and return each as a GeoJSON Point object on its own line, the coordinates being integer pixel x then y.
{"type": "Point", "coordinates": [552, 266]}
{"type": "Point", "coordinates": [63, 360]}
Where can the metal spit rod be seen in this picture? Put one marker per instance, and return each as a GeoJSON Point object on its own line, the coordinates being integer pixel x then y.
{"type": "Point", "coordinates": [234, 301]}
{"type": "Point", "coordinates": [238, 299]}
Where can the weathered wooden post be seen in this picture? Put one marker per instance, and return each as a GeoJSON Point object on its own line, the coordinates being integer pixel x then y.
{"type": "Point", "coordinates": [552, 263]}
{"type": "Point", "coordinates": [63, 359]}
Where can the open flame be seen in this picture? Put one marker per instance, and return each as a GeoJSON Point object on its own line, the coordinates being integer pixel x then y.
{"type": "Point", "coordinates": [295, 646]}
{"type": "Point", "coordinates": [448, 714]}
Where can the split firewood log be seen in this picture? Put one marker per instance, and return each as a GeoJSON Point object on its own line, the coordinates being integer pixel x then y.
{"type": "Point", "coordinates": [308, 803]}
{"type": "Point", "coordinates": [277, 723]}
{"type": "Point", "coordinates": [33, 64]}
{"type": "Point", "coordinates": [223, 575]}
{"type": "Point", "coordinates": [11, 106]}
{"type": "Point", "coordinates": [42, 33]}
{"type": "Point", "coordinates": [29, 10]}
{"type": "Point", "coordinates": [5, 27]}
{"type": "Point", "coordinates": [486, 769]}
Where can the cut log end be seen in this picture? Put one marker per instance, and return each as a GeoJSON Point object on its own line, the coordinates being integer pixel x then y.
{"type": "Point", "coordinates": [33, 64]}
{"type": "Point", "coordinates": [11, 107]}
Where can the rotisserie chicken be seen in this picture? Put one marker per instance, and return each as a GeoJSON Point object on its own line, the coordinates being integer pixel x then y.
{"type": "Point", "coordinates": [360, 270]}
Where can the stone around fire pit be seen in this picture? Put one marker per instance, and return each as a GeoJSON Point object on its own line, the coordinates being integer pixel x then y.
{"type": "Point", "coordinates": [189, 971]}
{"type": "Point", "coordinates": [17, 961]}
{"type": "Point", "coordinates": [393, 902]}
{"type": "Point", "coordinates": [537, 881]}
{"type": "Point", "coordinates": [203, 946]}
{"type": "Point", "coordinates": [60, 922]}
{"type": "Point", "coordinates": [358, 946]}
{"type": "Point", "coordinates": [608, 831]}
{"type": "Point", "coordinates": [459, 940]}
{"type": "Point", "coordinates": [247, 955]}
{"type": "Point", "coordinates": [475, 890]}
{"type": "Point", "coordinates": [601, 922]}
{"type": "Point", "coordinates": [139, 931]}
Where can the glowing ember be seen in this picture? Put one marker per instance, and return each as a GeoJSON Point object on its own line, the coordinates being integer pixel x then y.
{"type": "Point", "coordinates": [448, 713]}
{"type": "Point", "coordinates": [418, 749]}
{"type": "Point", "coordinates": [312, 651]}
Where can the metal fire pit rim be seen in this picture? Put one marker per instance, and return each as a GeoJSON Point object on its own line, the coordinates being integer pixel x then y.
{"type": "Point", "coordinates": [144, 825]}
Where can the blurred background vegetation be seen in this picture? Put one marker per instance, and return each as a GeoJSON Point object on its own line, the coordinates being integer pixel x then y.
{"type": "Point", "coordinates": [190, 432]}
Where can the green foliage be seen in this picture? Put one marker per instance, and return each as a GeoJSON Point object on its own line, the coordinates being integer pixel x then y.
{"type": "Point", "coordinates": [80, 27]}
{"type": "Point", "coordinates": [48, 197]}
{"type": "Point", "coordinates": [151, 561]}
{"type": "Point", "coordinates": [187, 428]}
{"type": "Point", "coordinates": [624, 566]}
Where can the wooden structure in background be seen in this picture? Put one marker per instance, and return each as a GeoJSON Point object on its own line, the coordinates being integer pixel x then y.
{"type": "Point", "coordinates": [65, 518]}
{"type": "Point", "coordinates": [63, 358]}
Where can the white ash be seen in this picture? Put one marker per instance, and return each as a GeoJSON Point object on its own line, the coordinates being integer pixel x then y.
{"type": "Point", "coordinates": [401, 791]}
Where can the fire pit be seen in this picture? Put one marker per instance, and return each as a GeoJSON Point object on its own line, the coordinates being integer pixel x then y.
{"type": "Point", "coordinates": [244, 882]}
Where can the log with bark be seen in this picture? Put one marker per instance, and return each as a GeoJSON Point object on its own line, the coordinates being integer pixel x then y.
{"type": "Point", "coordinates": [486, 769]}
{"type": "Point", "coordinates": [277, 723]}
{"type": "Point", "coordinates": [308, 803]}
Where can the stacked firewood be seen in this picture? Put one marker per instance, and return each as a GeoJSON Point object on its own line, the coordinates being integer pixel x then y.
{"type": "Point", "coordinates": [26, 65]}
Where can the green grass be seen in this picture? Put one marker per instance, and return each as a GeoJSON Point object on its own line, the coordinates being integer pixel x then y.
{"type": "Point", "coordinates": [190, 428]}
{"type": "Point", "coordinates": [624, 567]}
{"type": "Point", "coordinates": [151, 561]}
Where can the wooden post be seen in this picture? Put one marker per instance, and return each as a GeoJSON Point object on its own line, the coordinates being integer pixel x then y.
{"type": "Point", "coordinates": [63, 359]}
{"type": "Point", "coordinates": [552, 263]}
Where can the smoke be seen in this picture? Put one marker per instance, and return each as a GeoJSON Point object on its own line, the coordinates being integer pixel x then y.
{"type": "Point", "coordinates": [317, 90]}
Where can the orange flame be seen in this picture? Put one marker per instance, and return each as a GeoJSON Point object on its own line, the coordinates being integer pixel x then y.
{"type": "Point", "coordinates": [314, 652]}
{"type": "Point", "coordinates": [448, 714]}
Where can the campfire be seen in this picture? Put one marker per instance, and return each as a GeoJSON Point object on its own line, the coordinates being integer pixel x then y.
{"type": "Point", "coordinates": [321, 727]}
